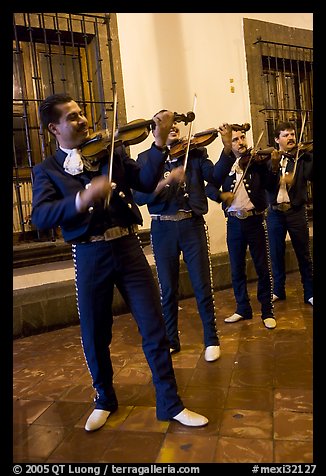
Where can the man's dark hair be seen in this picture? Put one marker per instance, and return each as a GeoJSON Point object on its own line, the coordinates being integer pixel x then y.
{"type": "Point", "coordinates": [283, 126]}
{"type": "Point", "coordinates": [48, 110]}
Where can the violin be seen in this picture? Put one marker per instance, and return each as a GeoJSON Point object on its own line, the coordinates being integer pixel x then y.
{"type": "Point", "coordinates": [201, 139]}
{"type": "Point", "coordinates": [262, 155]}
{"type": "Point", "coordinates": [255, 156]}
{"type": "Point", "coordinates": [132, 133]}
{"type": "Point", "coordinates": [300, 149]}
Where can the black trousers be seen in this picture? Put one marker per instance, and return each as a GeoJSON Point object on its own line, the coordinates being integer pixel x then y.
{"type": "Point", "coordinates": [240, 234]}
{"type": "Point", "coordinates": [98, 266]}
{"type": "Point", "coordinates": [294, 221]}
{"type": "Point", "coordinates": [189, 236]}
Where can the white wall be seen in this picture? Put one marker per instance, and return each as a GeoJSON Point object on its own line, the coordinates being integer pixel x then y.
{"type": "Point", "coordinates": [167, 57]}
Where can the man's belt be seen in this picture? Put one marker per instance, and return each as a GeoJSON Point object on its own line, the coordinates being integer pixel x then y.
{"type": "Point", "coordinates": [177, 217]}
{"type": "Point", "coordinates": [242, 214]}
{"type": "Point", "coordinates": [113, 233]}
{"type": "Point", "coordinates": [282, 207]}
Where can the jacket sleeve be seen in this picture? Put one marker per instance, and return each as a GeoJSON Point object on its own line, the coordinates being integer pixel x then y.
{"type": "Point", "coordinates": [143, 198]}
{"type": "Point", "coordinates": [145, 176]}
{"type": "Point", "coordinates": [222, 168]}
{"type": "Point", "coordinates": [272, 179]}
{"type": "Point", "coordinates": [206, 165]}
{"type": "Point", "coordinates": [213, 192]}
{"type": "Point", "coordinates": [49, 209]}
{"type": "Point", "coordinates": [265, 173]}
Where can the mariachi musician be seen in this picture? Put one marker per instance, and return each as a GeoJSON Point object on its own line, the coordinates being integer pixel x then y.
{"type": "Point", "coordinates": [177, 207]}
{"type": "Point", "coordinates": [73, 192]}
{"type": "Point", "coordinates": [243, 176]}
{"type": "Point", "coordinates": [287, 195]}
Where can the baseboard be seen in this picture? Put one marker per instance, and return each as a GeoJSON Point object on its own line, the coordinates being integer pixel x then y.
{"type": "Point", "coordinates": [50, 306]}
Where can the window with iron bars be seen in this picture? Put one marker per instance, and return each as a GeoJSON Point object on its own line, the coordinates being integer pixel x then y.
{"type": "Point", "coordinates": [279, 62]}
{"type": "Point", "coordinates": [288, 92]}
{"type": "Point", "coordinates": [287, 87]}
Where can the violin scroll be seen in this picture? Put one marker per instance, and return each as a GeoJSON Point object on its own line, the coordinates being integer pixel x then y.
{"type": "Point", "coordinates": [189, 117]}
{"type": "Point", "coordinates": [241, 127]}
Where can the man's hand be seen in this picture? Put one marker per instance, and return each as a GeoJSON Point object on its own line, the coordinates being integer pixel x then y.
{"type": "Point", "coordinates": [275, 158]}
{"type": "Point", "coordinates": [227, 197]}
{"type": "Point", "coordinates": [226, 133]}
{"type": "Point", "coordinates": [287, 178]}
{"type": "Point", "coordinates": [163, 124]}
{"type": "Point", "coordinates": [177, 175]}
{"type": "Point", "coordinates": [100, 187]}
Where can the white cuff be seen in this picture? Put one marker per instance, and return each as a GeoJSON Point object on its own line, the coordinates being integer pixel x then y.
{"type": "Point", "coordinates": [78, 203]}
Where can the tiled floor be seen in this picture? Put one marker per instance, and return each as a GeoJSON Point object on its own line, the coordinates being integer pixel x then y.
{"type": "Point", "coordinates": [257, 396]}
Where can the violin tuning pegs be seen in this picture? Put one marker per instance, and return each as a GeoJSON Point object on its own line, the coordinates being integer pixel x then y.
{"type": "Point", "coordinates": [240, 127]}
{"type": "Point", "coordinates": [191, 116]}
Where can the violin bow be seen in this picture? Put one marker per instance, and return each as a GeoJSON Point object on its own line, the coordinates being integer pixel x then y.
{"type": "Point", "coordinates": [189, 135]}
{"type": "Point", "coordinates": [110, 162]}
{"type": "Point", "coordinates": [185, 162]}
{"type": "Point", "coordinates": [298, 148]}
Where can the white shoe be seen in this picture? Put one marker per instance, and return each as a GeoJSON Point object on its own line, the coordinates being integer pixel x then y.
{"type": "Point", "coordinates": [269, 322]}
{"type": "Point", "coordinates": [275, 298]}
{"type": "Point", "coordinates": [96, 419]}
{"type": "Point", "coordinates": [234, 318]}
{"type": "Point", "coordinates": [189, 418]}
{"type": "Point", "coordinates": [174, 351]}
{"type": "Point", "coordinates": [212, 352]}
{"type": "Point", "coordinates": [311, 301]}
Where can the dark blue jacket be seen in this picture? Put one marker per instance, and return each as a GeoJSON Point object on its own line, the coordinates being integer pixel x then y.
{"type": "Point", "coordinates": [254, 181]}
{"type": "Point", "coordinates": [171, 199]}
{"type": "Point", "coordinates": [54, 194]}
{"type": "Point", "coordinates": [298, 190]}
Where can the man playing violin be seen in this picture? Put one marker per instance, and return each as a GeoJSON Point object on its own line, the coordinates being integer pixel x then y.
{"type": "Point", "coordinates": [287, 196]}
{"type": "Point", "coordinates": [72, 193]}
{"type": "Point", "coordinates": [177, 206]}
{"type": "Point", "coordinates": [244, 203]}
